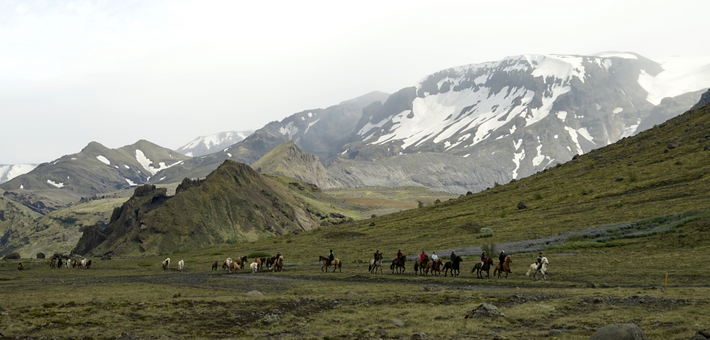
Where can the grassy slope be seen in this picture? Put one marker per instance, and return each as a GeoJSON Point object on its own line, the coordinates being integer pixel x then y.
{"type": "Point", "coordinates": [579, 194]}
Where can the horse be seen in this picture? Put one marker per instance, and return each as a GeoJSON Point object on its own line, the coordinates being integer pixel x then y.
{"type": "Point", "coordinates": [270, 262]}
{"type": "Point", "coordinates": [506, 267]}
{"type": "Point", "coordinates": [86, 264]}
{"type": "Point", "coordinates": [254, 267]}
{"type": "Point", "coordinates": [181, 265]}
{"type": "Point", "coordinates": [241, 261]}
{"type": "Point", "coordinates": [436, 267]}
{"type": "Point", "coordinates": [74, 263]}
{"type": "Point", "coordinates": [53, 264]}
{"type": "Point", "coordinates": [336, 264]}
{"type": "Point", "coordinates": [278, 264]}
{"type": "Point", "coordinates": [166, 264]}
{"type": "Point", "coordinates": [398, 264]}
{"type": "Point", "coordinates": [419, 266]}
{"type": "Point", "coordinates": [215, 264]}
{"type": "Point", "coordinates": [261, 262]}
{"type": "Point", "coordinates": [374, 264]}
{"type": "Point", "coordinates": [227, 263]}
{"type": "Point", "coordinates": [67, 263]}
{"type": "Point", "coordinates": [20, 266]}
{"type": "Point", "coordinates": [481, 267]}
{"type": "Point", "coordinates": [543, 269]}
{"type": "Point", "coordinates": [59, 263]}
{"type": "Point", "coordinates": [233, 267]}
{"type": "Point", "coordinates": [453, 265]}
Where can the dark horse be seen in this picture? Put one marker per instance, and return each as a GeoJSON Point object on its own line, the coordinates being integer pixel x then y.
{"type": "Point", "coordinates": [420, 266]}
{"type": "Point", "coordinates": [453, 266]}
{"type": "Point", "coordinates": [398, 264]}
{"type": "Point", "coordinates": [481, 267]}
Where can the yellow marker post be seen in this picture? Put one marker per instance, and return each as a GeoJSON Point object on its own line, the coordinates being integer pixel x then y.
{"type": "Point", "coordinates": [666, 282]}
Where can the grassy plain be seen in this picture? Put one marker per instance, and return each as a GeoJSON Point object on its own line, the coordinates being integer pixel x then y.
{"type": "Point", "coordinates": [135, 298]}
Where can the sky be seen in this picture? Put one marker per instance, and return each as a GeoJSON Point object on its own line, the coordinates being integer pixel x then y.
{"type": "Point", "coordinates": [115, 72]}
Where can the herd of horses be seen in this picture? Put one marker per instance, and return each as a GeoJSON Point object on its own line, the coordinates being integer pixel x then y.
{"type": "Point", "coordinates": [421, 267]}
{"type": "Point", "coordinates": [453, 266]}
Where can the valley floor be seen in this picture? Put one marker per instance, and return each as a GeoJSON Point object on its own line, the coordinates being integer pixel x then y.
{"type": "Point", "coordinates": [134, 298]}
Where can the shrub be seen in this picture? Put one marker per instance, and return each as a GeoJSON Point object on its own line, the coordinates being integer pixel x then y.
{"type": "Point", "coordinates": [537, 196]}
{"type": "Point", "coordinates": [633, 177]}
{"type": "Point", "coordinates": [487, 231]}
{"type": "Point", "coordinates": [420, 204]}
{"type": "Point", "coordinates": [490, 249]}
{"type": "Point", "coordinates": [232, 240]}
{"type": "Point", "coordinates": [437, 201]}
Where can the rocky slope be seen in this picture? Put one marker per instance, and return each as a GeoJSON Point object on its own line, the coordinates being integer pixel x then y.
{"type": "Point", "coordinates": [288, 160]}
{"type": "Point", "coordinates": [205, 145]}
{"type": "Point", "coordinates": [234, 203]}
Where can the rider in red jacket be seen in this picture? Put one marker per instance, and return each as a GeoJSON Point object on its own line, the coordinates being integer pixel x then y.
{"type": "Point", "coordinates": [422, 256]}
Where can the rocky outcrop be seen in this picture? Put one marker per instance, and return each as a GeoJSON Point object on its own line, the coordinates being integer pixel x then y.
{"type": "Point", "coordinates": [621, 331]}
{"type": "Point", "coordinates": [289, 160]}
{"type": "Point", "coordinates": [704, 100]}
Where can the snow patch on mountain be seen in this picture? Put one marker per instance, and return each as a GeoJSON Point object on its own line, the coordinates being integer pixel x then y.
{"type": "Point", "coordinates": [8, 172]}
{"type": "Point", "coordinates": [680, 75]}
{"type": "Point", "coordinates": [212, 143]}
{"type": "Point", "coordinates": [146, 163]}
{"type": "Point", "coordinates": [131, 182]}
{"type": "Point", "coordinates": [289, 130]}
{"type": "Point", "coordinates": [103, 160]}
{"type": "Point", "coordinates": [55, 184]}
{"type": "Point", "coordinates": [517, 158]}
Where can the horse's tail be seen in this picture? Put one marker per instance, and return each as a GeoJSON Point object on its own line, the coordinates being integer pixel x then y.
{"type": "Point", "coordinates": [529, 271]}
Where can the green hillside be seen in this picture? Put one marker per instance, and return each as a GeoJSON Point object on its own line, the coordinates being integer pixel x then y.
{"type": "Point", "coordinates": [658, 172]}
{"type": "Point", "coordinates": [289, 160]}
{"type": "Point", "coordinates": [233, 204]}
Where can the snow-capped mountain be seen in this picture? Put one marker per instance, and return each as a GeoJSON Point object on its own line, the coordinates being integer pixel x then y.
{"type": "Point", "coordinates": [8, 172]}
{"type": "Point", "coordinates": [98, 169]}
{"type": "Point", "coordinates": [204, 145]}
{"type": "Point", "coordinates": [525, 113]}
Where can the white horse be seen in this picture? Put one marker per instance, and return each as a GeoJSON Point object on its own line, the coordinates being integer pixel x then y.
{"type": "Point", "coordinates": [166, 263]}
{"type": "Point", "coordinates": [181, 265]}
{"type": "Point", "coordinates": [85, 263]}
{"type": "Point", "coordinates": [254, 267]}
{"type": "Point", "coordinates": [67, 263]}
{"type": "Point", "coordinates": [543, 269]}
{"type": "Point", "coordinates": [227, 264]}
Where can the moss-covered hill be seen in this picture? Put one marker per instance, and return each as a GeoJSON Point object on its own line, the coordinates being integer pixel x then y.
{"type": "Point", "coordinates": [289, 160]}
{"type": "Point", "coordinates": [233, 204]}
{"type": "Point", "coordinates": [660, 171]}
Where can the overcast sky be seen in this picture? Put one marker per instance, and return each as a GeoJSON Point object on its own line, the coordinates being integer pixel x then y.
{"type": "Point", "coordinates": [115, 72]}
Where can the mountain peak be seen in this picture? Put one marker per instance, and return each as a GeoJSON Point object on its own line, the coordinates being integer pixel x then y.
{"type": "Point", "coordinates": [289, 160]}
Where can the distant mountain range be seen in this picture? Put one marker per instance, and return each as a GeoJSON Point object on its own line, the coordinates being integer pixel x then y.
{"type": "Point", "coordinates": [204, 145]}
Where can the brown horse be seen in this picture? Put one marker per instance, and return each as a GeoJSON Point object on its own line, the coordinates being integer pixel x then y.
{"type": "Point", "coordinates": [20, 266]}
{"type": "Point", "coordinates": [481, 267]}
{"type": "Point", "coordinates": [336, 263]}
{"type": "Point", "coordinates": [398, 264]}
{"type": "Point", "coordinates": [53, 264]}
{"type": "Point", "coordinates": [215, 265]}
{"type": "Point", "coordinates": [419, 266]}
{"type": "Point", "coordinates": [241, 261]}
{"type": "Point", "coordinates": [278, 264]}
{"type": "Point", "coordinates": [234, 267]}
{"type": "Point", "coordinates": [436, 267]}
{"type": "Point", "coordinates": [506, 267]}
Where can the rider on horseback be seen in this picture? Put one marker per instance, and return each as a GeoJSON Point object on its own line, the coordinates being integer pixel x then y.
{"type": "Point", "coordinates": [539, 260]}
{"type": "Point", "coordinates": [331, 257]}
{"type": "Point", "coordinates": [377, 255]}
{"type": "Point", "coordinates": [483, 257]}
{"type": "Point", "coordinates": [399, 254]}
{"type": "Point", "coordinates": [501, 258]}
{"type": "Point", "coordinates": [453, 256]}
{"type": "Point", "coordinates": [422, 256]}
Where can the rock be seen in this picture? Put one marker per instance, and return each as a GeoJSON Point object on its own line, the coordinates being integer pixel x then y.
{"type": "Point", "coordinates": [269, 318]}
{"type": "Point", "coordinates": [254, 293]}
{"type": "Point", "coordinates": [350, 292]}
{"type": "Point", "coordinates": [13, 256]}
{"type": "Point", "coordinates": [704, 333]}
{"type": "Point", "coordinates": [522, 205]}
{"type": "Point", "coordinates": [698, 337]}
{"type": "Point", "coordinates": [372, 224]}
{"type": "Point", "coordinates": [591, 285]}
{"type": "Point", "coordinates": [620, 331]}
{"type": "Point", "coordinates": [674, 144]}
{"type": "Point", "coordinates": [620, 179]}
{"type": "Point", "coordinates": [397, 322]}
{"type": "Point", "coordinates": [418, 336]}
{"type": "Point", "coordinates": [381, 332]}
{"type": "Point", "coordinates": [554, 332]}
{"type": "Point", "coordinates": [666, 150]}
{"type": "Point", "coordinates": [40, 255]}
{"type": "Point", "coordinates": [484, 311]}
{"type": "Point", "coordinates": [606, 285]}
